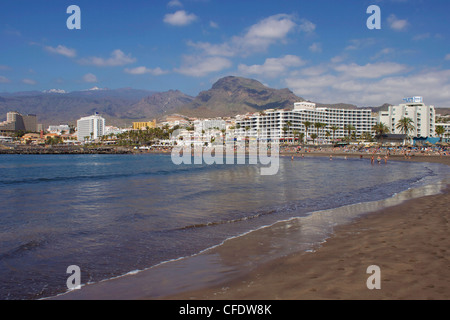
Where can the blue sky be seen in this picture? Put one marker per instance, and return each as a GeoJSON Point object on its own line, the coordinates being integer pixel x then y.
{"type": "Point", "coordinates": [322, 50]}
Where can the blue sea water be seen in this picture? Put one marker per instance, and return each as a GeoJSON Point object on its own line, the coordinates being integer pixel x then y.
{"type": "Point", "coordinates": [113, 214]}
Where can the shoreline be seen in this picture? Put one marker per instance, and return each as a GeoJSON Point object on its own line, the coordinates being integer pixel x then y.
{"type": "Point", "coordinates": [411, 253]}
{"type": "Point", "coordinates": [330, 272]}
{"type": "Point", "coordinates": [409, 242]}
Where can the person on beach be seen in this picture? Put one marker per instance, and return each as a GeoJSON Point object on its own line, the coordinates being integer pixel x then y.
{"type": "Point", "coordinates": [379, 160]}
{"type": "Point", "coordinates": [372, 160]}
{"type": "Point", "coordinates": [331, 157]}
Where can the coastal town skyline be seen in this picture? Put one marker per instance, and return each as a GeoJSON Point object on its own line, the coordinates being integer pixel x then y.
{"type": "Point", "coordinates": [324, 55]}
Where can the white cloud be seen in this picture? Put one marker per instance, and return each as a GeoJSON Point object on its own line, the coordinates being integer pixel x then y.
{"type": "Point", "coordinates": [175, 3]}
{"type": "Point", "coordinates": [30, 82]}
{"type": "Point", "coordinates": [4, 80]}
{"type": "Point", "coordinates": [180, 18]}
{"type": "Point", "coordinates": [272, 67]}
{"type": "Point", "coordinates": [371, 84]}
{"type": "Point", "coordinates": [315, 47]}
{"type": "Point", "coordinates": [4, 67]}
{"type": "Point", "coordinates": [370, 71]}
{"type": "Point", "coordinates": [307, 26]}
{"type": "Point", "coordinates": [144, 70]}
{"type": "Point", "coordinates": [118, 58]}
{"type": "Point", "coordinates": [356, 44]}
{"type": "Point", "coordinates": [258, 38]}
{"type": "Point", "coordinates": [447, 57]}
{"type": "Point", "coordinates": [213, 24]}
{"type": "Point", "coordinates": [202, 66]}
{"type": "Point", "coordinates": [62, 50]}
{"type": "Point", "coordinates": [90, 78]}
{"type": "Point", "coordinates": [397, 24]}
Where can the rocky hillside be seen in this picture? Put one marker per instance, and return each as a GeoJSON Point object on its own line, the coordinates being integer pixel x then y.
{"type": "Point", "coordinates": [234, 95]}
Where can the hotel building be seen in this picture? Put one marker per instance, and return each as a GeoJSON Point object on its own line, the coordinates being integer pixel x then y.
{"type": "Point", "coordinates": [423, 117]}
{"type": "Point", "coordinates": [446, 136]}
{"type": "Point", "coordinates": [270, 123]}
{"type": "Point", "coordinates": [16, 122]}
{"type": "Point", "coordinates": [90, 128]}
{"type": "Point", "coordinates": [144, 125]}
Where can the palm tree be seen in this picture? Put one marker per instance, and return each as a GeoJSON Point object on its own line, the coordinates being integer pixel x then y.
{"type": "Point", "coordinates": [327, 134]}
{"type": "Point", "coordinates": [440, 131]}
{"type": "Point", "coordinates": [349, 129]}
{"type": "Point", "coordinates": [314, 137]}
{"type": "Point", "coordinates": [295, 133]}
{"type": "Point", "coordinates": [288, 125]}
{"type": "Point", "coordinates": [334, 129]}
{"type": "Point", "coordinates": [318, 126]}
{"type": "Point", "coordinates": [301, 137]}
{"type": "Point", "coordinates": [367, 136]}
{"type": "Point", "coordinates": [307, 124]}
{"type": "Point", "coordinates": [380, 130]}
{"type": "Point", "coordinates": [406, 125]}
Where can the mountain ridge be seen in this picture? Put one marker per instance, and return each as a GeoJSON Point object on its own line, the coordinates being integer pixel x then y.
{"type": "Point", "coordinates": [227, 97]}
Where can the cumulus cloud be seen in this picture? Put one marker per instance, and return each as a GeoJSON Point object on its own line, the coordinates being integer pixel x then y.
{"type": "Point", "coordinates": [257, 38]}
{"type": "Point", "coordinates": [397, 24]}
{"type": "Point", "coordinates": [202, 66]}
{"type": "Point", "coordinates": [180, 18]}
{"type": "Point", "coordinates": [371, 84]}
{"type": "Point", "coordinates": [144, 70]}
{"type": "Point", "coordinates": [307, 26]}
{"type": "Point", "coordinates": [90, 78]}
{"type": "Point", "coordinates": [30, 82]}
{"type": "Point", "coordinates": [118, 58]}
{"type": "Point", "coordinates": [447, 57]}
{"type": "Point", "coordinates": [370, 71]}
{"type": "Point", "coordinates": [315, 47]}
{"type": "Point", "coordinates": [272, 67]}
{"type": "Point", "coordinates": [4, 80]}
{"type": "Point", "coordinates": [62, 50]}
{"type": "Point", "coordinates": [175, 3]}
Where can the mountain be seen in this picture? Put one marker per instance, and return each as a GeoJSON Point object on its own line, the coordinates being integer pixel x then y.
{"type": "Point", "coordinates": [118, 107]}
{"type": "Point", "coordinates": [230, 96]}
{"type": "Point", "coordinates": [158, 105]}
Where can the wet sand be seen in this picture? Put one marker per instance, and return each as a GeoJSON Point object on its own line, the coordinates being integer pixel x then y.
{"type": "Point", "coordinates": [410, 243]}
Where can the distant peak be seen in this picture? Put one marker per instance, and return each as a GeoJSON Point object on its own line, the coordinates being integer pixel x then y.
{"type": "Point", "coordinates": [60, 91]}
{"type": "Point", "coordinates": [96, 89]}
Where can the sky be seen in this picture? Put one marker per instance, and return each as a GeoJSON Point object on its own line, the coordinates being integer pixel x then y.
{"type": "Point", "coordinates": [322, 50]}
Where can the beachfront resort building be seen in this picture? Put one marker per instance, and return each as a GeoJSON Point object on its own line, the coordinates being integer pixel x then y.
{"type": "Point", "coordinates": [90, 128]}
{"type": "Point", "coordinates": [423, 117]}
{"type": "Point", "coordinates": [60, 129]}
{"type": "Point", "coordinates": [209, 124]}
{"type": "Point", "coordinates": [144, 125]}
{"type": "Point", "coordinates": [287, 124]}
{"type": "Point", "coordinates": [446, 135]}
{"type": "Point", "coordinates": [18, 122]}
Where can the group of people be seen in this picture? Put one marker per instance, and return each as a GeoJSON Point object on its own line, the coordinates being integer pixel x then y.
{"type": "Point", "coordinates": [372, 159]}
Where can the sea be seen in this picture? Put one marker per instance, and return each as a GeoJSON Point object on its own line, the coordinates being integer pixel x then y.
{"type": "Point", "coordinates": [120, 215]}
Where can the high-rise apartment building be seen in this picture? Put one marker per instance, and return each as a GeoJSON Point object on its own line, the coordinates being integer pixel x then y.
{"type": "Point", "coordinates": [90, 128]}
{"type": "Point", "coordinates": [18, 122]}
{"type": "Point", "coordinates": [423, 117]}
{"type": "Point", "coordinates": [277, 124]}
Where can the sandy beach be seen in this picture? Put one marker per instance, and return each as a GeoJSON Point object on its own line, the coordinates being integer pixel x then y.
{"type": "Point", "coordinates": [409, 242]}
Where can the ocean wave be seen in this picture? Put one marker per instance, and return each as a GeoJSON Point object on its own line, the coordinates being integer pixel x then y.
{"type": "Point", "coordinates": [23, 249]}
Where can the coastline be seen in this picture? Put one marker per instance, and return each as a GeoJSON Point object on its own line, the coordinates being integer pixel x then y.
{"type": "Point", "coordinates": [299, 275]}
{"type": "Point", "coordinates": [409, 242]}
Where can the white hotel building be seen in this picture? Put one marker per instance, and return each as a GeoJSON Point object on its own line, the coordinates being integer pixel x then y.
{"type": "Point", "coordinates": [270, 123]}
{"type": "Point", "coordinates": [90, 128]}
{"type": "Point", "coordinates": [423, 116]}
